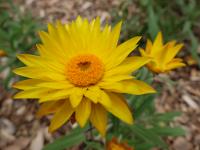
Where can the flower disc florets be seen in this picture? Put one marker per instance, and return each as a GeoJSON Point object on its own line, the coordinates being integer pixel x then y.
{"type": "Point", "coordinates": [85, 70]}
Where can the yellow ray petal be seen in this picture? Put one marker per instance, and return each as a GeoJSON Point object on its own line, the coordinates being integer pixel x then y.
{"type": "Point", "coordinates": [39, 73]}
{"type": "Point", "coordinates": [31, 93]}
{"type": "Point", "coordinates": [27, 59]}
{"type": "Point", "coordinates": [122, 51]}
{"type": "Point", "coordinates": [94, 33]}
{"type": "Point", "coordinates": [27, 84]}
{"type": "Point", "coordinates": [143, 52]}
{"type": "Point", "coordinates": [42, 51]}
{"type": "Point", "coordinates": [105, 99]}
{"type": "Point", "coordinates": [157, 45]}
{"type": "Point", "coordinates": [97, 95]}
{"type": "Point", "coordinates": [98, 118]}
{"type": "Point", "coordinates": [92, 94]}
{"type": "Point", "coordinates": [64, 39]}
{"type": "Point", "coordinates": [102, 43]}
{"type": "Point", "coordinates": [120, 108]}
{"type": "Point", "coordinates": [49, 107]}
{"type": "Point", "coordinates": [113, 79]}
{"type": "Point", "coordinates": [52, 30]}
{"type": "Point", "coordinates": [55, 95]}
{"type": "Point", "coordinates": [133, 86]}
{"type": "Point", "coordinates": [115, 35]}
{"type": "Point", "coordinates": [172, 51]}
{"type": "Point", "coordinates": [75, 33]}
{"type": "Point", "coordinates": [61, 116]}
{"type": "Point", "coordinates": [95, 25]}
{"type": "Point", "coordinates": [76, 96]}
{"type": "Point", "coordinates": [37, 61]}
{"type": "Point", "coordinates": [51, 46]}
{"type": "Point", "coordinates": [56, 84]}
{"type": "Point", "coordinates": [83, 112]}
{"type": "Point", "coordinates": [149, 46]}
{"type": "Point", "coordinates": [128, 66]}
{"type": "Point", "coordinates": [175, 63]}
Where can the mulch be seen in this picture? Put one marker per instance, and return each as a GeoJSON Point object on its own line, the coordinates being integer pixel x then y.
{"type": "Point", "coordinates": [21, 130]}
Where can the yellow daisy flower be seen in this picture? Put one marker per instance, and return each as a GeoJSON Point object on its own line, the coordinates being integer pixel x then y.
{"type": "Point", "coordinates": [2, 53]}
{"type": "Point", "coordinates": [79, 71]}
{"type": "Point", "coordinates": [114, 144]}
{"type": "Point", "coordinates": [162, 55]}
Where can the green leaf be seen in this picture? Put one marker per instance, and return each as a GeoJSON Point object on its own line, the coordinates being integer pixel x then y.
{"type": "Point", "coordinates": [153, 27]}
{"type": "Point", "coordinates": [145, 104]}
{"type": "Point", "coordinates": [148, 136]}
{"type": "Point", "coordinates": [166, 117]}
{"type": "Point", "coordinates": [168, 131]}
{"type": "Point", "coordinates": [74, 138]}
{"type": "Point", "coordinates": [144, 146]}
{"type": "Point", "coordinates": [93, 145]}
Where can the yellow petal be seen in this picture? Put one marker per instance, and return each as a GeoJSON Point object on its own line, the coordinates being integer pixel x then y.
{"type": "Point", "coordinates": [115, 35]}
{"type": "Point", "coordinates": [115, 78]}
{"type": "Point", "coordinates": [92, 94]}
{"type": "Point", "coordinates": [64, 39]}
{"type": "Point", "coordinates": [105, 99]}
{"type": "Point", "coordinates": [97, 95]}
{"type": "Point", "coordinates": [98, 118]}
{"type": "Point", "coordinates": [61, 116]}
{"type": "Point", "coordinates": [148, 46]}
{"type": "Point", "coordinates": [83, 112]}
{"type": "Point", "coordinates": [55, 95]}
{"type": "Point", "coordinates": [39, 73]}
{"type": "Point", "coordinates": [52, 47]}
{"type": "Point", "coordinates": [49, 107]}
{"type": "Point", "coordinates": [120, 108]}
{"type": "Point", "coordinates": [122, 51]}
{"type": "Point", "coordinates": [43, 52]}
{"type": "Point", "coordinates": [157, 45]}
{"type": "Point", "coordinates": [37, 61]}
{"type": "Point", "coordinates": [128, 66]}
{"type": "Point", "coordinates": [76, 96]}
{"type": "Point", "coordinates": [31, 93]}
{"type": "Point", "coordinates": [133, 86]}
{"type": "Point", "coordinates": [142, 52]}
{"type": "Point", "coordinates": [175, 63]}
{"type": "Point", "coordinates": [27, 84]}
{"type": "Point", "coordinates": [56, 84]}
{"type": "Point", "coordinates": [172, 51]}
{"type": "Point", "coordinates": [28, 59]}
{"type": "Point", "coordinates": [102, 43]}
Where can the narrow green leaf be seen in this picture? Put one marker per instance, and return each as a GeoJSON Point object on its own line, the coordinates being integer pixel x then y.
{"type": "Point", "coordinates": [144, 146]}
{"type": "Point", "coordinates": [153, 27]}
{"type": "Point", "coordinates": [145, 104]}
{"type": "Point", "coordinates": [148, 136]}
{"type": "Point", "coordinates": [74, 138]}
{"type": "Point", "coordinates": [168, 131]}
{"type": "Point", "coordinates": [166, 117]}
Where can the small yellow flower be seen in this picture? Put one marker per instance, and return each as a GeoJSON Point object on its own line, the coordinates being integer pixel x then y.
{"type": "Point", "coordinates": [115, 145]}
{"type": "Point", "coordinates": [2, 53]}
{"type": "Point", "coordinates": [80, 71]}
{"type": "Point", "coordinates": [162, 55]}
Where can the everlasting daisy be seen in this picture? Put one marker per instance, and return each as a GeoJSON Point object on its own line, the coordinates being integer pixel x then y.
{"type": "Point", "coordinates": [162, 56]}
{"type": "Point", "coordinates": [81, 71]}
{"type": "Point", "coordinates": [2, 53]}
{"type": "Point", "coordinates": [114, 144]}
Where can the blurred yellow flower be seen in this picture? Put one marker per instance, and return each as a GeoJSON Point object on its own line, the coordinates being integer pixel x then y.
{"type": "Point", "coordinates": [162, 55]}
{"type": "Point", "coordinates": [79, 70]}
{"type": "Point", "coordinates": [115, 145]}
{"type": "Point", "coordinates": [2, 53]}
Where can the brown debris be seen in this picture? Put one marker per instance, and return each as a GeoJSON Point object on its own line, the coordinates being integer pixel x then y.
{"type": "Point", "coordinates": [20, 130]}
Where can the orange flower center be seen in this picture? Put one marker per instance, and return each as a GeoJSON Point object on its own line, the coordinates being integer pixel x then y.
{"type": "Point", "coordinates": [85, 70]}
